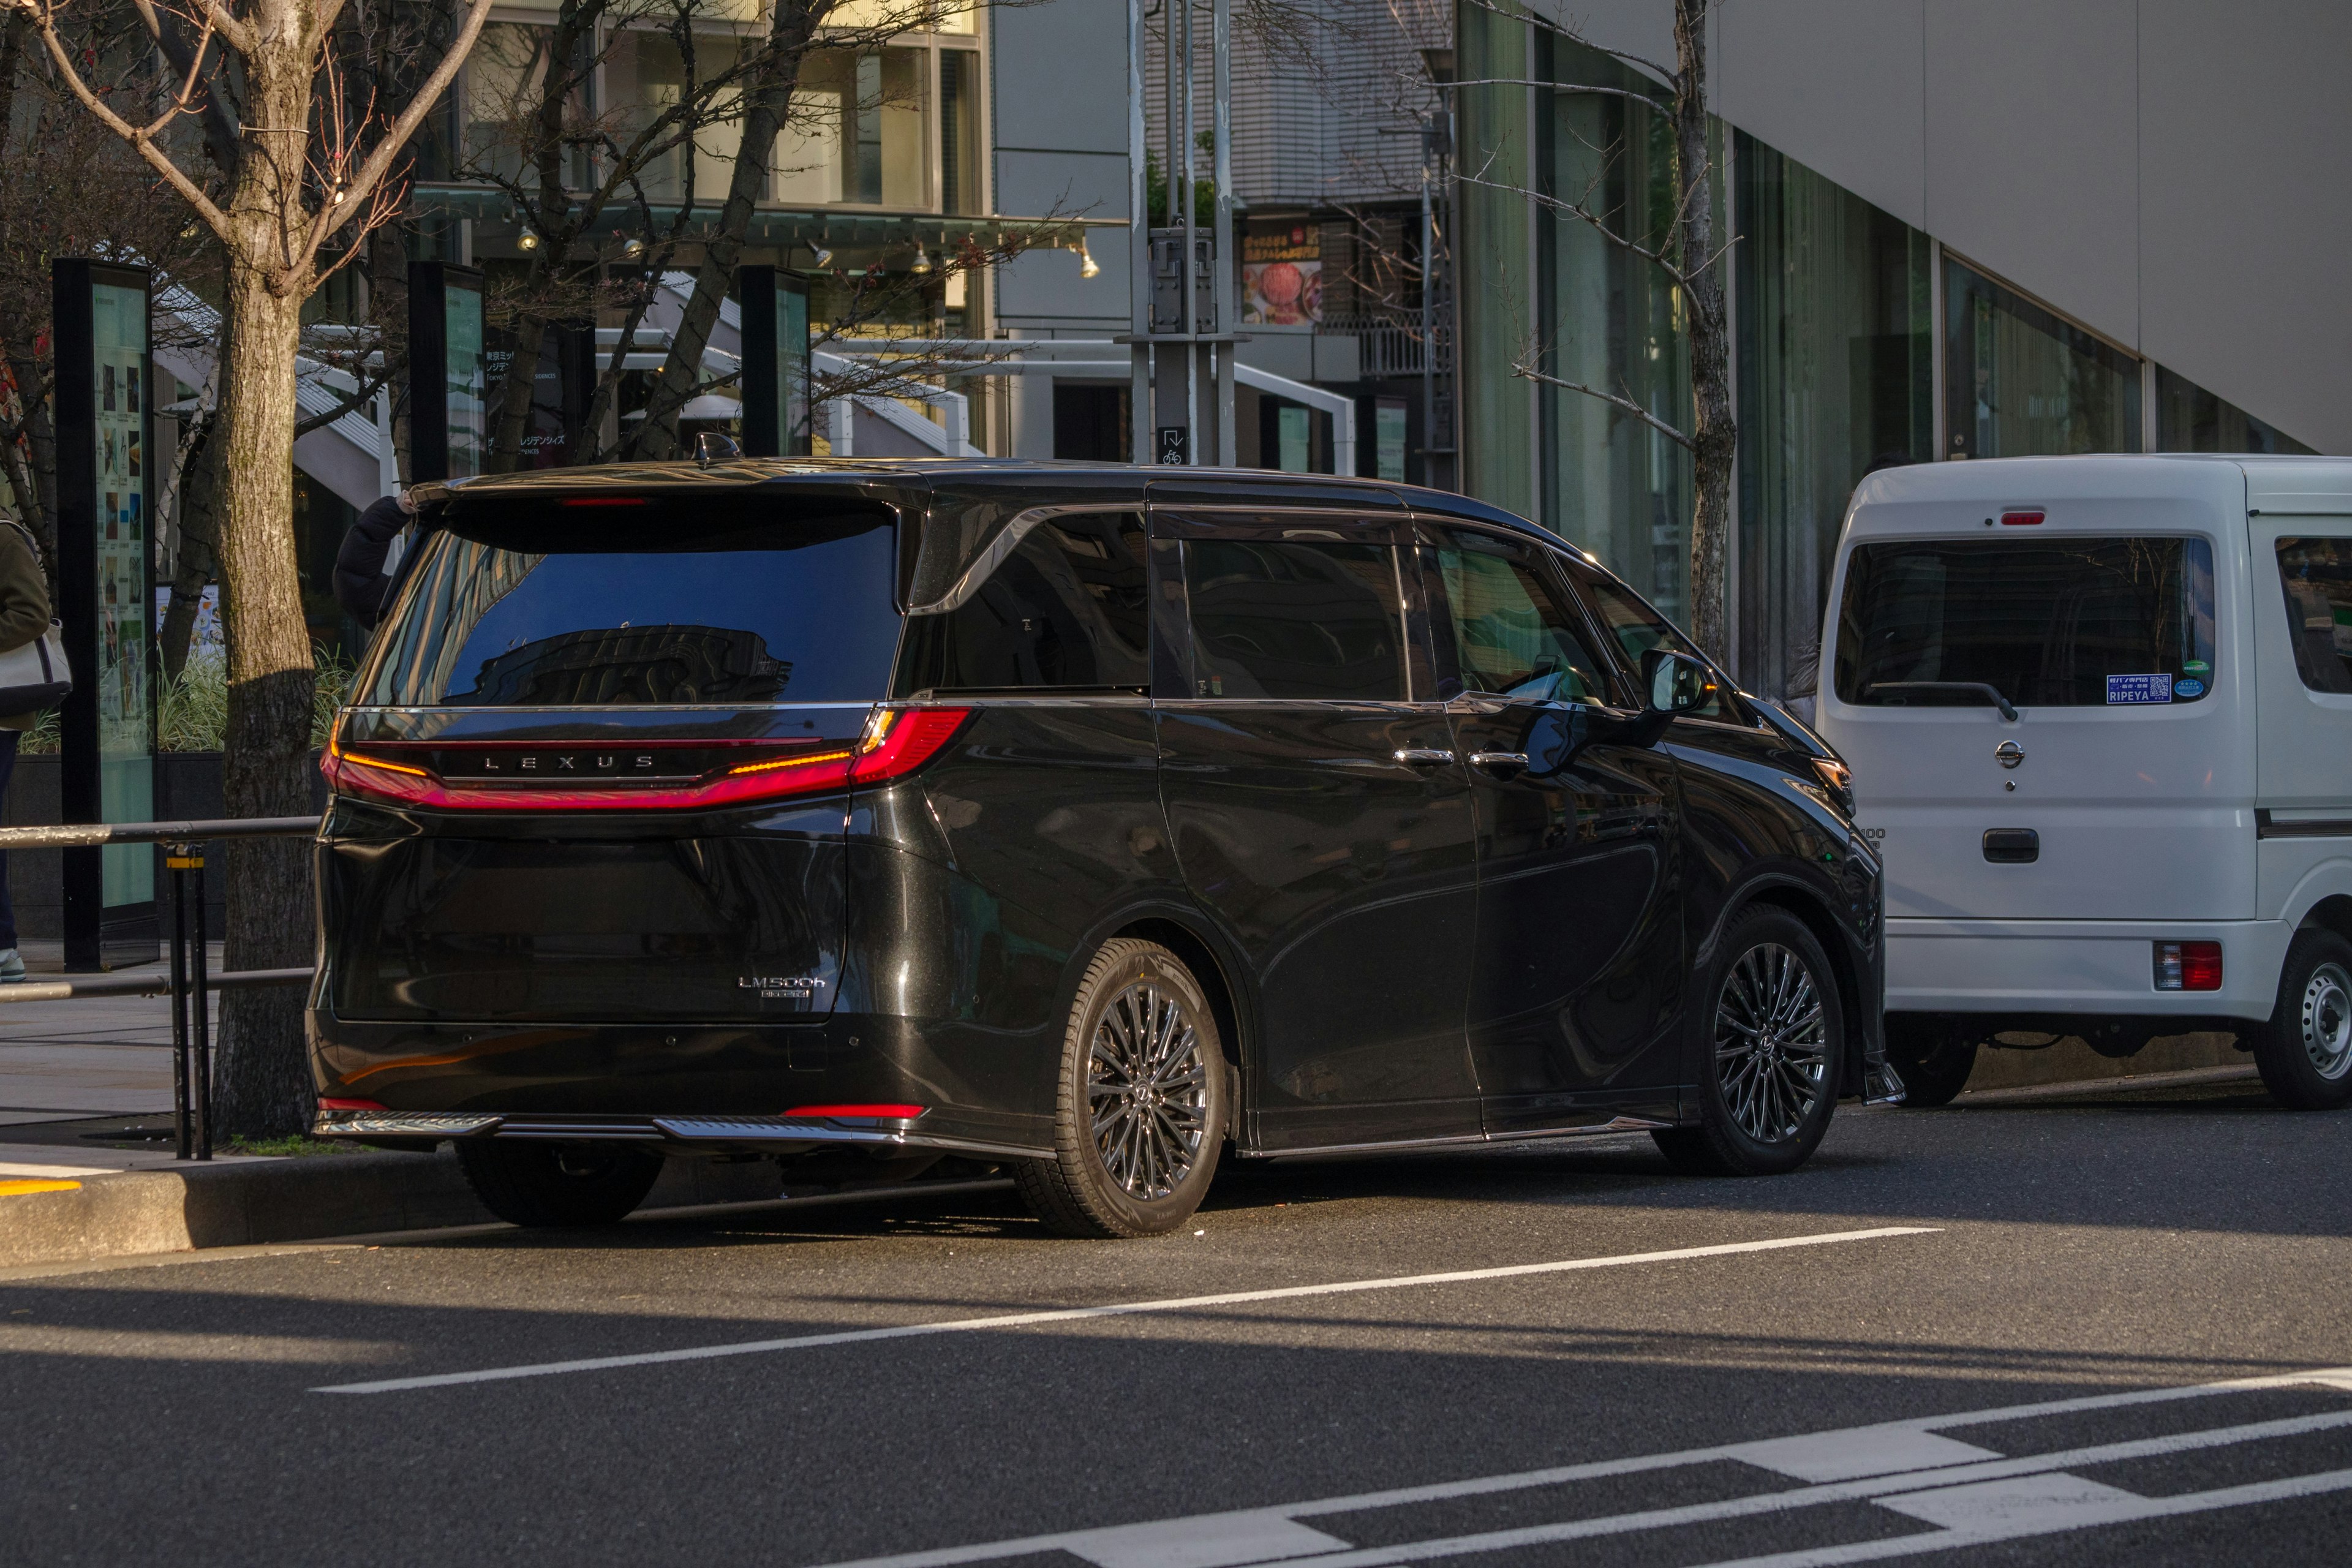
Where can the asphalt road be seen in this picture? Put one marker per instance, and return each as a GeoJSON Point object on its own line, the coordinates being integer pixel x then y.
{"type": "Point", "coordinates": [2022, 1310]}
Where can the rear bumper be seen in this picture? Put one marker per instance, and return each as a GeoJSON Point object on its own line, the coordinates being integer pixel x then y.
{"type": "Point", "coordinates": [2077, 967]}
{"type": "Point", "coordinates": [780, 1135]}
{"type": "Point", "coordinates": [688, 1087]}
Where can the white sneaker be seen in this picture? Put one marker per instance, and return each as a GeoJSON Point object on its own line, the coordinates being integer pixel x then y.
{"type": "Point", "coordinates": [12, 966]}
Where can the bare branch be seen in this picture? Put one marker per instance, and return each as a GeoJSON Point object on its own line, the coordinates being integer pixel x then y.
{"type": "Point", "coordinates": [142, 138]}
{"type": "Point", "coordinates": [1567, 87]}
{"type": "Point", "coordinates": [1526, 371]}
{"type": "Point", "coordinates": [390, 146]}
{"type": "Point", "coordinates": [1569, 31]}
{"type": "Point", "coordinates": [219, 18]}
{"type": "Point", "coordinates": [1577, 210]}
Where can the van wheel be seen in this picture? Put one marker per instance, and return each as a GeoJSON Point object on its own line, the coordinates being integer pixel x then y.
{"type": "Point", "coordinates": [1141, 1114]}
{"type": "Point", "coordinates": [1932, 1057]}
{"type": "Point", "coordinates": [553, 1184]}
{"type": "Point", "coordinates": [2305, 1052]}
{"type": "Point", "coordinates": [1777, 1045]}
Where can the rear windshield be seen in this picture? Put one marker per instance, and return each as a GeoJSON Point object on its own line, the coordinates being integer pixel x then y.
{"type": "Point", "coordinates": [2055, 622]}
{"type": "Point", "coordinates": [653, 602]}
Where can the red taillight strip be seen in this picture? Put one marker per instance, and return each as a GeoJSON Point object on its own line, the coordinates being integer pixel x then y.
{"type": "Point", "coordinates": [325, 1104]}
{"type": "Point", "coordinates": [897, 742]}
{"type": "Point", "coordinates": [2020, 518]}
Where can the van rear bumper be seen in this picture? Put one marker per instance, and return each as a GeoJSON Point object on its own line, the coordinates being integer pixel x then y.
{"type": "Point", "coordinates": [2076, 966]}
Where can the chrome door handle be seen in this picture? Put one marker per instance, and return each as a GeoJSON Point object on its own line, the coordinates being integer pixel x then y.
{"type": "Point", "coordinates": [1423, 757]}
{"type": "Point", "coordinates": [1500, 761]}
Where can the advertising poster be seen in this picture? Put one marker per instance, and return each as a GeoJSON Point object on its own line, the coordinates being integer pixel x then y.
{"type": "Point", "coordinates": [119, 323]}
{"type": "Point", "coordinates": [1282, 277]}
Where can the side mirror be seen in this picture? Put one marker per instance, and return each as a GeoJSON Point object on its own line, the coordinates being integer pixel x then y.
{"type": "Point", "coordinates": [1675, 682]}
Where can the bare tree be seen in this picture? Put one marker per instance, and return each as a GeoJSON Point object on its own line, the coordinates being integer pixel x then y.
{"type": "Point", "coordinates": [70, 187]}
{"type": "Point", "coordinates": [568, 173]}
{"type": "Point", "coordinates": [1692, 261]}
{"type": "Point", "coordinates": [299, 163]}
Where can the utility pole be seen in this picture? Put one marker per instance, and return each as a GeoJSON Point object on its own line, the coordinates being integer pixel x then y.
{"type": "Point", "coordinates": [1180, 278]}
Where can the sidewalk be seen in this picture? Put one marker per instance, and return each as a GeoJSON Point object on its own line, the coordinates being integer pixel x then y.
{"type": "Point", "coordinates": [97, 1064]}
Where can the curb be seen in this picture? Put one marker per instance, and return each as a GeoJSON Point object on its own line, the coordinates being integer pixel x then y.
{"type": "Point", "coordinates": [257, 1202]}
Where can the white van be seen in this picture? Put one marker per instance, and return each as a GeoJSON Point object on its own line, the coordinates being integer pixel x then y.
{"type": "Point", "coordinates": [2099, 715]}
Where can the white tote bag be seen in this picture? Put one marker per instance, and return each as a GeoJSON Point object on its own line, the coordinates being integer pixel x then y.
{"type": "Point", "coordinates": [36, 675]}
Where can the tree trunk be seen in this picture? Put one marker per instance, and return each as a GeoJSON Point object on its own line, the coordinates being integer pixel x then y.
{"type": "Point", "coordinates": [513, 395]}
{"type": "Point", "coordinates": [263, 1086]}
{"type": "Point", "coordinates": [1714, 436]}
{"type": "Point", "coordinates": [767, 98]}
{"type": "Point", "coordinates": [198, 520]}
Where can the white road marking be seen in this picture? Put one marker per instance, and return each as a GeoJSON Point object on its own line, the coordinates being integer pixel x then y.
{"type": "Point", "coordinates": [1118, 1310]}
{"type": "Point", "coordinates": [2057, 1520]}
{"type": "Point", "coordinates": [1213, 1543]}
{"type": "Point", "coordinates": [1852, 1454]}
{"type": "Point", "coordinates": [2022, 1505]}
{"type": "Point", "coordinates": [1985, 1478]}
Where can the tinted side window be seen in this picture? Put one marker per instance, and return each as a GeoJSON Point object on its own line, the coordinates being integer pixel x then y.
{"type": "Point", "coordinates": [1638, 629]}
{"type": "Point", "coordinates": [2318, 576]}
{"type": "Point", "coordinates": [1292, 618]}
{"type": "Point", "coordinates": [1501, 624]}
{"type": "Point", "coordinates": [1066, 609]}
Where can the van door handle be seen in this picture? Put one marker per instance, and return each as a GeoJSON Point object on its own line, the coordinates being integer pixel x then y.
{"type": "Point", "coordinates": [1423, 757]}
{"type": "Point", "coordinates": [2013, 846]}
{"type": "Point", "coordinates": [1506, 764]}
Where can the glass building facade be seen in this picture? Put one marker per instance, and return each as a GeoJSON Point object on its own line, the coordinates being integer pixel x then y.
{"type": "Point", "coordinates": [1844, 319]}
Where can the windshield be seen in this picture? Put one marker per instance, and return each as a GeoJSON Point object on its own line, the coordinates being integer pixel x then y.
{"type": "Point", "coordinates": [644, 602]}
{"type": "Point", "coordinates": [2057, 622]}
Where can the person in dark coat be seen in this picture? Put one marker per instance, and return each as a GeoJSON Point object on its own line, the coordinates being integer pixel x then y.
{"type": "Point", "coordinates": [363, 581]}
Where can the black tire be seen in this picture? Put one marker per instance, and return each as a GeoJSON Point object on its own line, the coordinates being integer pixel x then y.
{"type": "Point", "coordinates": [1141, 1111]}
{"type": "Point", "coordinates": [541, 1185]}
{"type": "Point", "coordinates": [1932, 1057]}
{"type": "Point", "coordinates": [1772, 1047]}
{"type": "Point", "coordinates": [2305, 1052]}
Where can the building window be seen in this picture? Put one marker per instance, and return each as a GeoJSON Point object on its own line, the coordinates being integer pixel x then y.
{"type": "Point", "coordinates": [2191, 419]}
{"type": "Point", "coordinates": [959, 189]}
{"type": "Point", "coordinates": [1836, 378]}
{"type": "Point", "coordinates": [2020, 383]}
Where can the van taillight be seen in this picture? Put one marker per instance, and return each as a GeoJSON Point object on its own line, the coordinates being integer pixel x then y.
{"type": "Point", "coordinates": [2020, 519]}
{"type": "Point", "coordinates": [895, 743]}
{"type": "Point", "coordinates": [2188, 966]}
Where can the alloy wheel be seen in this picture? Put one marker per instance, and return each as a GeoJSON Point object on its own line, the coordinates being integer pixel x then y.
{"type": "Point", "coordinates": [2328, 1020]}
{"type": "Point", "coordinates": [1148, 1092]}
{"type": "Point", "coordinates": [1771, 1043]}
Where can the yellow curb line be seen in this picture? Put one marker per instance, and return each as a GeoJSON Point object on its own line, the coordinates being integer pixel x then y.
{"type": "Point", "coordinates": [9, 1189]}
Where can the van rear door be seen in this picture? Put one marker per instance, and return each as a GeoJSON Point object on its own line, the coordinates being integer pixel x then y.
{"type": "Point", "coordinates": [598, 765]}
{"type": "Point", "coordinates": [2118, 791]}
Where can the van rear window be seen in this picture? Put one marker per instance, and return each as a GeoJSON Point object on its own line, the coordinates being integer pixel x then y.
{"type": "Point", "coordinates": [2058, 622]}
{"type": "Point", "coordinates": [716, 601]}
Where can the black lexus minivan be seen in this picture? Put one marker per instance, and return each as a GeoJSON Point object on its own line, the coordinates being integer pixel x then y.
{"type": "Point", "coordinates": [1074, 820]}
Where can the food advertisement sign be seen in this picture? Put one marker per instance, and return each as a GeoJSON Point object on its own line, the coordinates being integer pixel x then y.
{"type": "Point", "coordinates": [1282, 277]}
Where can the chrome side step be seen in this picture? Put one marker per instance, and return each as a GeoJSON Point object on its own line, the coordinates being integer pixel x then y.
{"type": "Point", "coordinates": [1464, 1139]}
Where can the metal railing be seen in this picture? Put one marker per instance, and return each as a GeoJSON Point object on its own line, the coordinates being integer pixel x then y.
{"type": "Point", "coordinates": [1387, 346]}
{"type": "Point", "coordinates": [190, 982]}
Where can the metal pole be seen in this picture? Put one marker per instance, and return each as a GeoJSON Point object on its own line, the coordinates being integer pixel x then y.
{"type": "Point", "coordinates": [1428, 303]}
{"type": "Point", "coordinates": [1191, 265]}
{"type": "Point", "coordinates": [174, 858]}
{"type": "Point", "coordinates": [204, 1024]}
{"type": "Point", "coordinates": [1220, 40]}
{"type": "Point", "coordinates": [1138, 241]}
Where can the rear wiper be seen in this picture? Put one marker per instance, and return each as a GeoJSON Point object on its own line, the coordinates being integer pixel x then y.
{"type": "Point", "coordinates": [1975, 688]}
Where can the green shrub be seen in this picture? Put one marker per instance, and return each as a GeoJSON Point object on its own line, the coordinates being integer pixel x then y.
{"type": "Point", "coordinates": [192, 707]}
